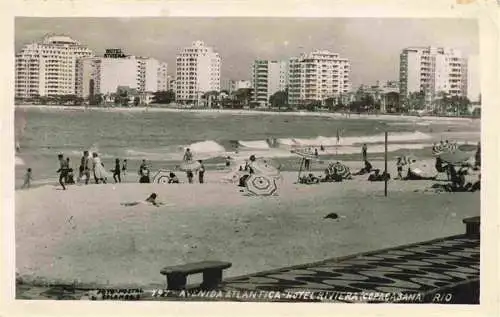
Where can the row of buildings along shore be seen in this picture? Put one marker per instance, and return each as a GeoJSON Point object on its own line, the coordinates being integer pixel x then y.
{"type": "Point", "coordinates": [59, 65]}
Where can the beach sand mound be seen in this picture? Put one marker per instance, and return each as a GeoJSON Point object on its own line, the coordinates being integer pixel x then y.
{"type": "Point", "coordinates": [85, 234]}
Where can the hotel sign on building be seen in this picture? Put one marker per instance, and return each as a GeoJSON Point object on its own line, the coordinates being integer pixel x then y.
{"type": "Point", "coordinates": [114, 53]}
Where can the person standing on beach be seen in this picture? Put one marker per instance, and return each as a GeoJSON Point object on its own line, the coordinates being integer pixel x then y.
{"type": "Point", "coordinates": [144, 173]}
{"type": "Point", "coordinates": [399, 165]}
{"type": "Point", "coordinates": [63, 170]}
{"type": "Point", "coordinates": [364, 152]}
{"type": "Point", "coordinates": [117, 171]}
{"type": "Point", "coordinates": [188, 156]}
{"type": "Point", "coordinates": [201, 172]}
{"type": "Point", "coordinates": [228, 161]}
{"type": "Point", "coordinates": [190, 176]}
{"type": "Point", "coordinates": [307, 164]}
{"type": "Point", "coordinates": [124, 167]}
{"type": "Point", "coordinates": [98, 169]}
{"type": "Point", "coordinates": [27, 179]}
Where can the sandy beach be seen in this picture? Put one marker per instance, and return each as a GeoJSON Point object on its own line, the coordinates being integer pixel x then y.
{"type": "Point", "coordinates": [84, 234]}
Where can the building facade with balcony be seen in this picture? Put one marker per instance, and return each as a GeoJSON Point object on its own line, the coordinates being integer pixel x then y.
{"type": "Point", "coordinates": [197, 72]}
{"type": "Point", "coordinates": [47, 67]}
{"type": "Point", "coordinates": [268, 77]}
{"type": "Point", "coordinates": [103, 75]}
{"type": "Point", "coordinates": [433, 71]}
{"type": "Point", "coordinates": [317, 76]}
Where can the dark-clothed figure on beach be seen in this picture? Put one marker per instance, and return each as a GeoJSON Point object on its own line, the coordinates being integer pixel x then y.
{"type": "Point", "coordinates": [364, 152]}
{"type": "Point", "coordinates": [307, 164]}
{"type": "Point", "coordinates": [27, 179]}
{"type": "Point", "coordinates": [63, 170]}
{"type": "Point", "coordinates": [85, 167]}
{"type": "Point", "coordinates": [172, 178]}
{"type": "Point", "coordinates": [188, 156]}
{"type": "Point", "coordinates": [117, 171]}
{"type": "Point", "coordinates": [190, 176]}
{"type": "Point", "coordinates": [228, 161]}
{"type": "Point", "coordinates": [201, 172]}
{"type": "Point", "coordinates": [477, 157]}
{"type": "Point", "coordinates": [316, 152]}
{"type": "Point", "coordinates": [70, 177]}
{"type": "Point", "coordinates": [399, 165]}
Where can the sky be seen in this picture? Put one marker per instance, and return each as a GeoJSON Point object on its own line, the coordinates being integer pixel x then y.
{"type": "Point", "coordinates": [372, 45]}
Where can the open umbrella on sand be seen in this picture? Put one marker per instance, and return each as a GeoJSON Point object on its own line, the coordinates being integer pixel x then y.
{"type": "Point", "coordinates": [455, 157]}
{"type": "Point", "coordinates": [190, 166]}
{"type": "Point", "coordinates": [161, 177]}
{"type": "Point", "coordinates": [443, 148]}
{"type": "Point", "coordinates": [264, 167]}
{"type": "Point", "coordinates": [260, 185]}
{"type": "Point", "coordinates": [341, 169]}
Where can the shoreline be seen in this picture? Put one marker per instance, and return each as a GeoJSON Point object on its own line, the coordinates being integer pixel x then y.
{"type": "Point", "coordinates": [386, 117]}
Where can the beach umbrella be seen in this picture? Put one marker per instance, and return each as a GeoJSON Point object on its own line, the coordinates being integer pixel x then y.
{"type": "Point", "coordinates": [264, 167]}
{"type": "Point", "coordinates": [190, 166]}
{"type": "Point", "coordinates": [161, 177]}
{"type": "Point", "coordinates": [455, 157]}
{"type": "Point", "coordinates": [341, 170]}
{"type": "Point", "coordinates": [444, 147]}
{"type": "Point", "coordinates": [261, 185]}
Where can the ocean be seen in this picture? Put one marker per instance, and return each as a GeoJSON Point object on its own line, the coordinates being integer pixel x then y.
{"type": "Point", "coordinates": [161, 137]}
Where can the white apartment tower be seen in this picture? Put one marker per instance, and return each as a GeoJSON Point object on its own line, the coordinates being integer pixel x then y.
{"type": "Point", "coordinates": [268, 77]}
{"type": "Point", "coordinates": [47, 68]}
{"type": "Point", "coordinates": [103, 75]}
{"type": "Point", "coordinates": [433, 70]}
{"type": "Point", "coordinates": [317, 76]}
{"type": "Point", "coordinates": [198, 71]}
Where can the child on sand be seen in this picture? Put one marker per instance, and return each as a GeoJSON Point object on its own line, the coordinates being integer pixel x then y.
{"type": "Point", "coordinates": [27, 179]}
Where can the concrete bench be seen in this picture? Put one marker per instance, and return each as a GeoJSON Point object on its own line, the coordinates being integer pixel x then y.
{"type": "Point", "coordinates": [212, 274]}
{"type": "Point", "coordinates": [472, 225]}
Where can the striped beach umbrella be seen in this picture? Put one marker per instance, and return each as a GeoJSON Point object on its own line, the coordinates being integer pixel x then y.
{"type": "Point", "coordinates": [265, 167]}
{"type": "Point", "coordinates": [341, 170]}
{"type": "Point", "coordinates": [161, 177]}
{"type": "Point", "coordinates": [189, 166]}
{"type": "Point", "coordinates": [261, 185]}
{"type": "Point", "coordinates": [444, 147]}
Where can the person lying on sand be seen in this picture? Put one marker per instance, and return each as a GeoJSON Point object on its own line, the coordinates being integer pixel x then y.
{"type": "Point", "coordinates": [377, 177]}
{"type": "Point", "coordinates": [151, 200]}
{"type": "Point", "coordinates": [309, 179]}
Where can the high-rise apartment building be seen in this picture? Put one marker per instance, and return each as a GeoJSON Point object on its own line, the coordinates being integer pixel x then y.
{"type": "Point", "coordinates": [103, 75]}
{"type": "Point", "coordinates": [432, 70]}
{"type": "Point", "coordinates": [198, 72]}
{"type": "Point", "coordinates": [268, 77]}
{"type": "Point", "coordinates": [47, 67]}
{"type": "Point", "coordinates": [317, 76]}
